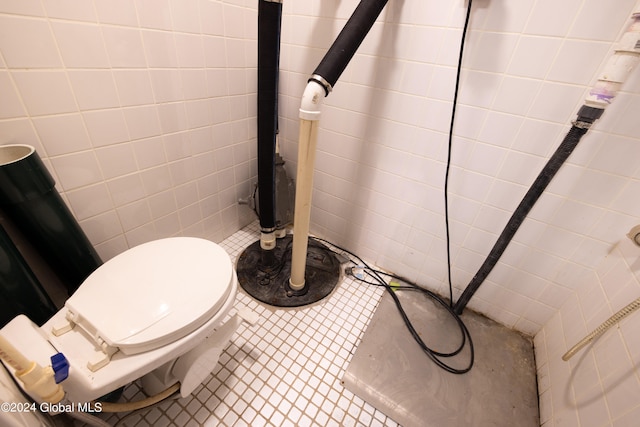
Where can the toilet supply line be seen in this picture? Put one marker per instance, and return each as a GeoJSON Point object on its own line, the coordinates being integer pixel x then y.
{"type": "Point", "coordinates": [140, 404]}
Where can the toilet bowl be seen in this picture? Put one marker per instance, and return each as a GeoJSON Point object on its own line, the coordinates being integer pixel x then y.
{"type": "Point", "coordinates": [157, 305]}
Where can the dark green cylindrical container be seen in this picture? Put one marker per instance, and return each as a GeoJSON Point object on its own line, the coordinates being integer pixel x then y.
{"type": "Point", "coordinates": [20, 290]}
{"type": "Point", "coordinates": [28, 196]}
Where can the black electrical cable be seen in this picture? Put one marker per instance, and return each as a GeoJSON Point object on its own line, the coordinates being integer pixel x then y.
{"type": "Point", "coordinates": [413, 287]}
{"type": "Point", "coordinates": [450, 144]}
{"type": "Point", "coordinates": [376, 275]}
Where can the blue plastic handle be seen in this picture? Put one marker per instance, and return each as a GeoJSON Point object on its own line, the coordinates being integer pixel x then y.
{"type": "Point", "coordinates": [60, 366]}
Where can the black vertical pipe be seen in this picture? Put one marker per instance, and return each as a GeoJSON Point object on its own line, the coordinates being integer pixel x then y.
{"type": "Point", "coordinates": [20, 290]}
{"type": "Point", "coordinates": [347, 43]}
{"type": "Point", "coordinates": [269, 23]}
{"type": "Point", "coordinates": [28, 196]}
{"type": "Point", "coordinates": [586, 116]}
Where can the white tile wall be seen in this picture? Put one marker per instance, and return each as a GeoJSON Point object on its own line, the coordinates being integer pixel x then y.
{"type": "Point", "coordinates": [122, 102]}
{"type": "Point", "coordinates": [168, 89]}
{"type": "Point", "coordinates": [382, 143]}
{"type": "Point", "coordinates": [599, 385]}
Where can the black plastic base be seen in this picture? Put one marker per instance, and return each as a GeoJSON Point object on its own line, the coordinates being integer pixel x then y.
{"type": "Point", "coordinates": [265, 274]}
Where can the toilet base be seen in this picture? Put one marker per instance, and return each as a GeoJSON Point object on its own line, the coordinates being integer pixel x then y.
{"type": "Point", "coordinates": [193, 367]}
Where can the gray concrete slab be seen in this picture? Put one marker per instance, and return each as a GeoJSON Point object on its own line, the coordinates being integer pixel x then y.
{"type": "Point", "coordinates": [390, 371]}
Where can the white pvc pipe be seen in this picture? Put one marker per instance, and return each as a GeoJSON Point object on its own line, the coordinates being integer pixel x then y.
{"type": "Point", "coordinates": [268, 240]}
{"type": "Point", "coordinates": [39, 382]}
{"type": "Point", "coordinates": [302, 214]}
{"type": "Point", "coordinates": [618, 66]}
{"type": "Point", "coordinates": [12, 357]}
{"type": "Point", "coordinates": [308, 137]}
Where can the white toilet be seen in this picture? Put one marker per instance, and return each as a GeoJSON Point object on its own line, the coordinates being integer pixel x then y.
{"type": "Point", "coordinates": [154, 311]}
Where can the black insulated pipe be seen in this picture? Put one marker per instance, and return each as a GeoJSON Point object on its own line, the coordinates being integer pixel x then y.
{"type": "Point", "coordinates": [346, 44]}
{"type": "Point", "coordinates": [20, 290]}
{"type": "Point", "coordinates": [586, 116]}
{"type": "Point", "coordinates": [29, 198]}
{"type": "Point", "coordinates": [269, 23]}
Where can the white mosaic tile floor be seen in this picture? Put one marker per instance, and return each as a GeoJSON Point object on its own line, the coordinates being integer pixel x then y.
{"type": "Point", "coordinates": [284, 371]}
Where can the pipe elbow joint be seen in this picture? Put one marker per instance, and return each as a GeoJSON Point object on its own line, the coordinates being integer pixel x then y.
{"type": "Point", "coordinates": [311, 101]}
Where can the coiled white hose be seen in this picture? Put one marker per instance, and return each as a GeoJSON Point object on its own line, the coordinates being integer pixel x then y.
{"type": "Point", "coordinates": [630, 308]}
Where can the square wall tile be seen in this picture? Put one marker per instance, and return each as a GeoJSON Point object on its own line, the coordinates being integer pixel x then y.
{"type": "Point", "coordinates": [549, 18]}
{"type": "Point", "coordinates": [62, 134]}
{"type": "Point", "coordinates": [90, 201]}
{"type": "Point", "coordinates": [94, 90]}
{"type": "Point", "coordinates": [595, 22]}
{"type": "Point", "coordinates": [45, 92]}
{"type": "Point", "coordinates": [134, 215]}
{"type": "Point", "coordinates": [81, 45]}
{"type": "Point", "coordinates": [533, 56]}
{"type": "Point", "coordinates": [142, 121]}
{"type": "Point", "coordinates": [77, 10]}
{"type": "Point", "coordinates": [116, 160]}
{"type": "Point", "coordinates": [154, 14]}
{"type": "Point", "coordinates": [77, 169]}
{"type": "Point", "coordinates": [105, 127]}
{"type": "Point", "coordinates": [103, 228]}
{"type": "Point", "coordinates": [126, 189]}
{"type": "Point", "coordinates": [556, 102]}
{"type": "Point", "coordinates": [186, 15]}
{"type": "Point", "coordinates": [124, 47]}
{"type": "Point", "coordinates": [121, 12]}
{"type": "Point", "coordinates": [27, 8]}
{"type": "Point", "coordinates": [11, 103]}
{"type": "Point", "coordinates": [37, 47]}
{"type": "Point", "coordinates": [588, 54]}
{"type": "Point", "coordinates": [134, 87]}
{"type": "Point", "coordinates": [160, 49]}
{"type": "Point", "coordinates": [20, 131]}
{"type": "Point", "coordinates": [190, 51]}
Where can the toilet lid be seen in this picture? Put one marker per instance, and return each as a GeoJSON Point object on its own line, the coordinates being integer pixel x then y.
{"type": "Point", "coordinates": [153, 294]}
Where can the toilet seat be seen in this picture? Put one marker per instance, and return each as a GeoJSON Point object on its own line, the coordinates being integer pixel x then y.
{"type": "Point", "coordinates": [152, 294]}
